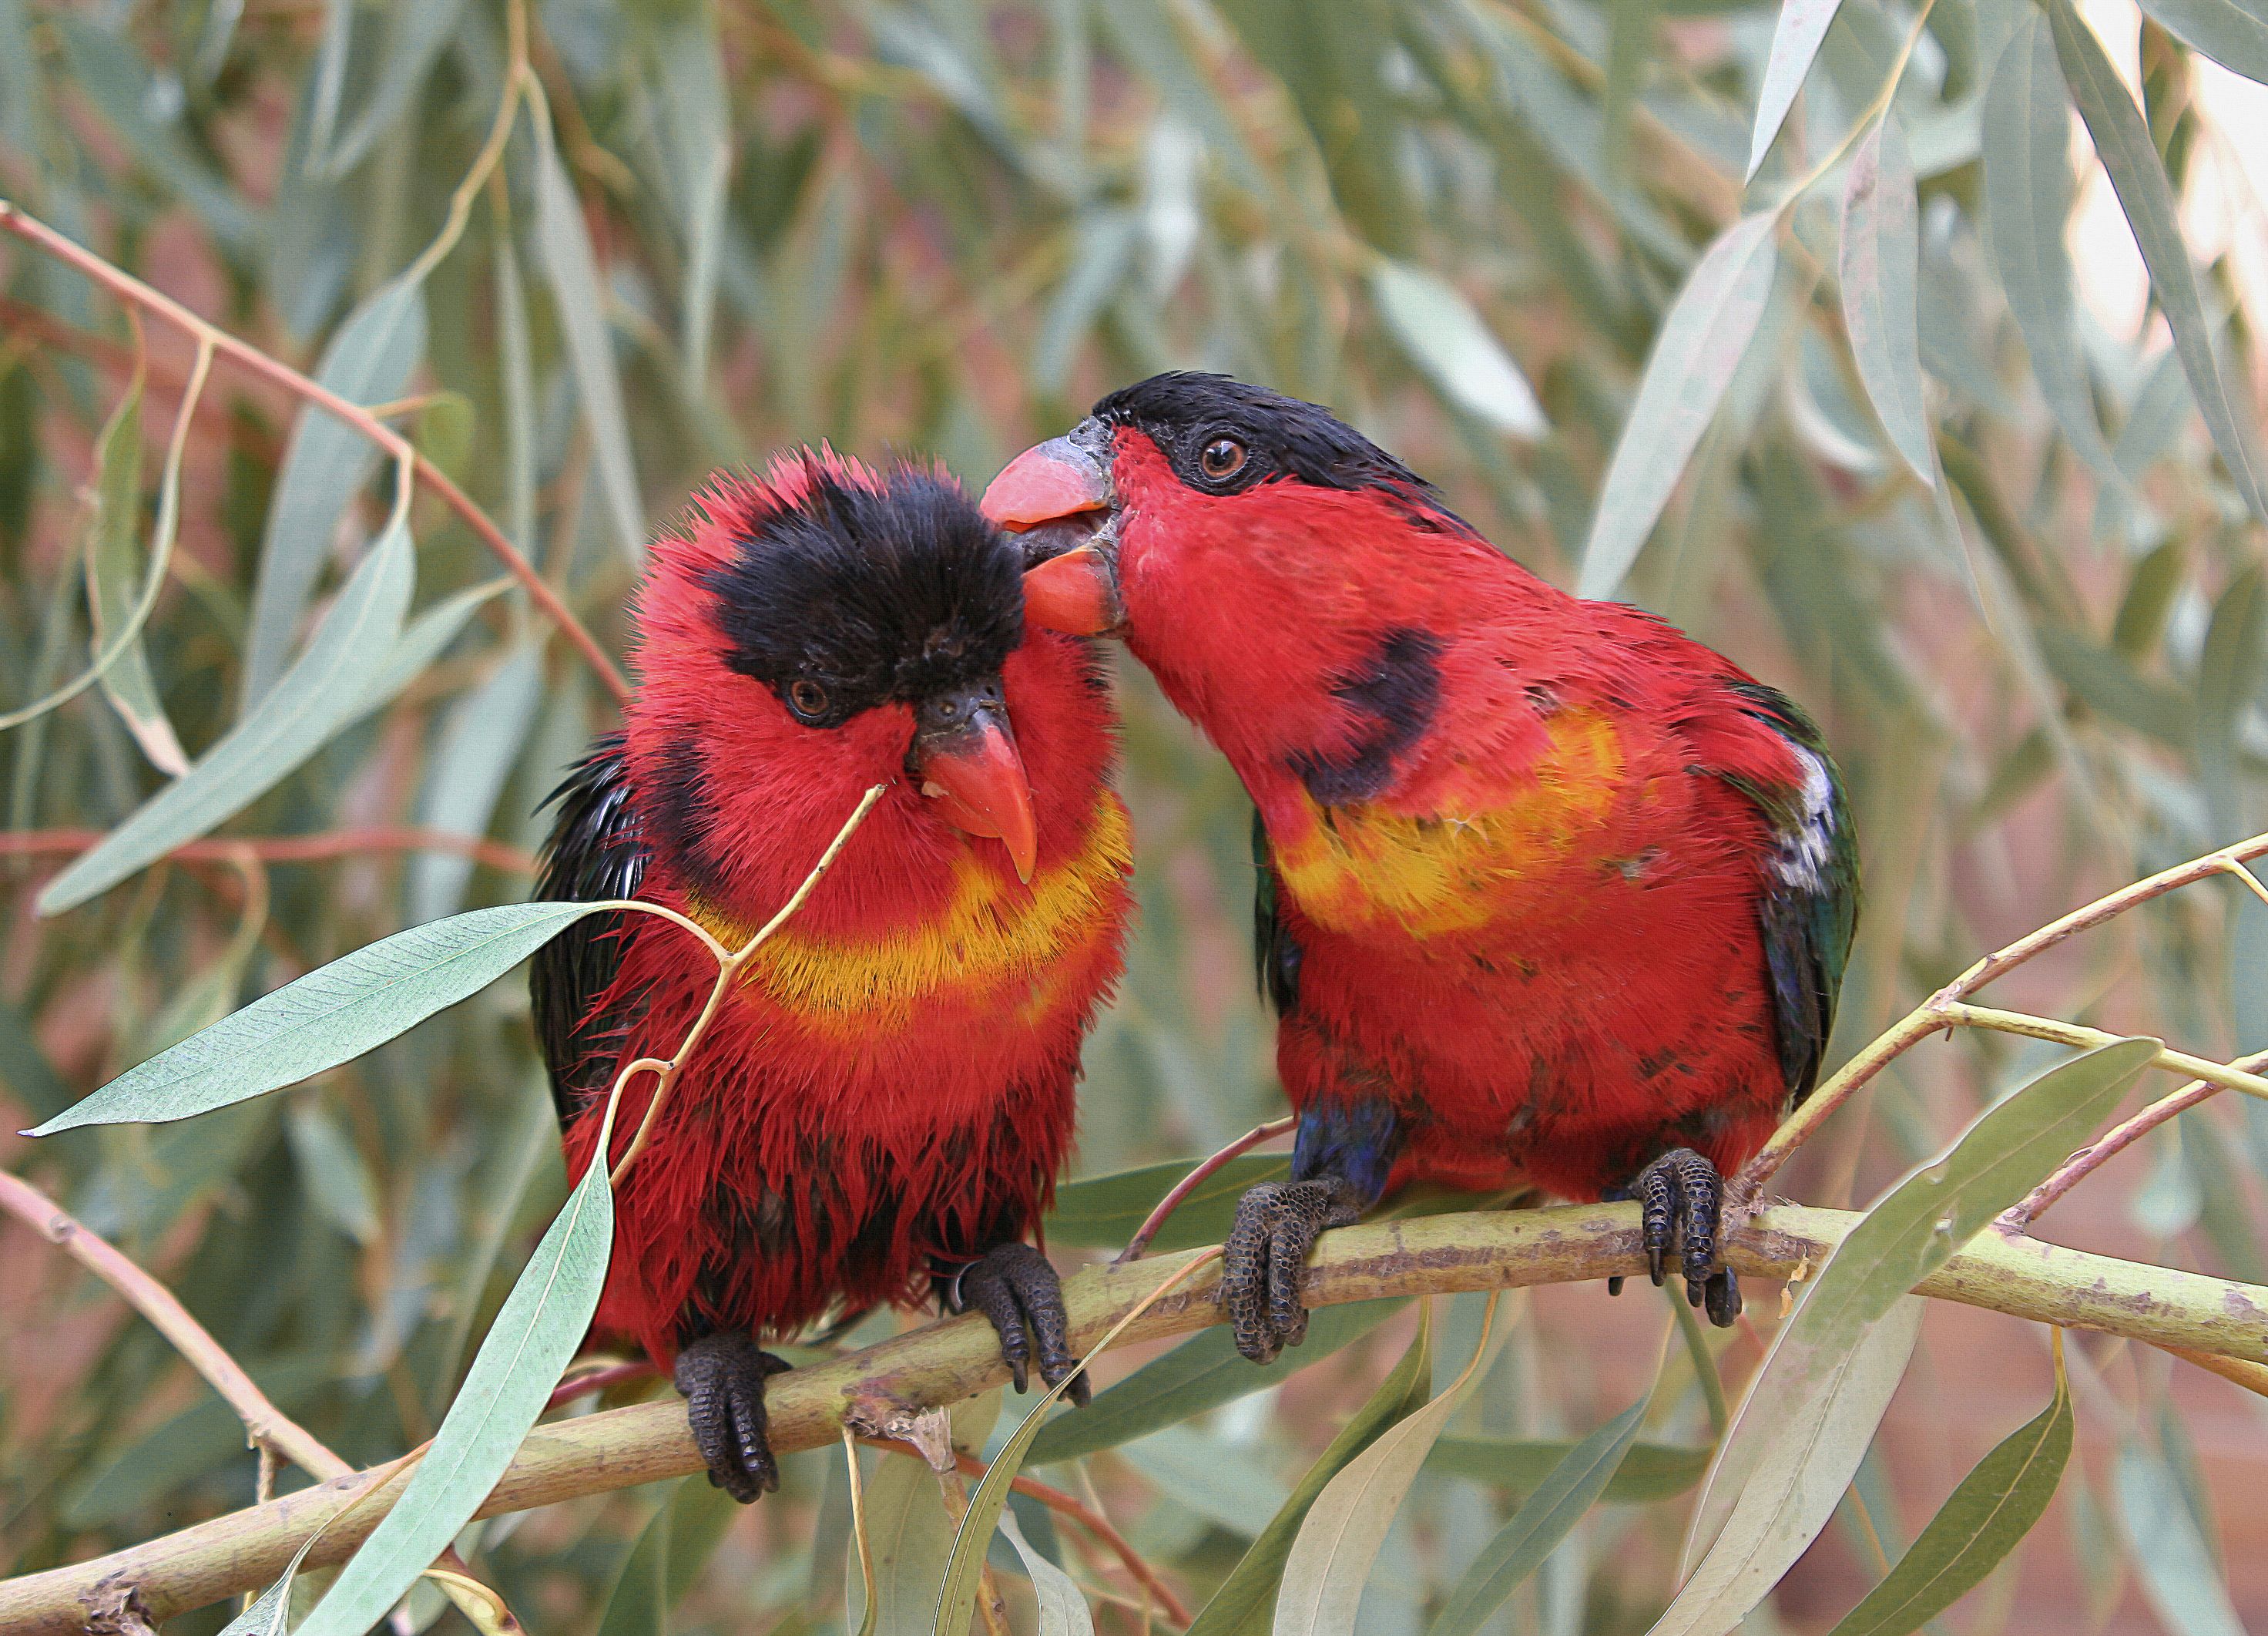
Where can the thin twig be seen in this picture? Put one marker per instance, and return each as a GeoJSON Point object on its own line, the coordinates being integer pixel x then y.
{"type": "Point", "coordinates": [1188, 1184]}
{"type": "Point", "coordinates": [127, 287]}
{"type": "Point", "coordinates": [1933, 1013]}
{"type": "Point", "coordinates": [291, 849]}
{"type": "Point", "coordinates": [2117, 1140]}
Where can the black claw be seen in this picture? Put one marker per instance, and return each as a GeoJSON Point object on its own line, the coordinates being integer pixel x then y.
{"type": "Point", "coordinates": [1682, 1201]}
{"type": "Point", "coordinates": [1266, 1257]}
{"type": "Point", "coordinates": [722, 1378]}
{"type": "Point", "coordinates": [1615, 1285]}
{"type": "Point", "coordinates": [1014, 1285]}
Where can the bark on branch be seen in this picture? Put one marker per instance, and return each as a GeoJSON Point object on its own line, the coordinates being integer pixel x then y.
{"type": "Point", "coordinates": [245, 1549]}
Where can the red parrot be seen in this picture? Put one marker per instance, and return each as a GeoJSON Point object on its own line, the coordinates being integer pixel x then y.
{"type": "Point", "coordinates": [1551, 895]}
{"type": "Point", "coordinates": [886, 1098]}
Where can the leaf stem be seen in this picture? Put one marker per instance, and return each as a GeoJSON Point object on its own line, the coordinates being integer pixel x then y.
{"type": "Point", "coordinates": [1158, 1218]}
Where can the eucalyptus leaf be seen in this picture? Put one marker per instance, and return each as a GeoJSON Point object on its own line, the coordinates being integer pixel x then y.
{"type": "Point", "coordinates": [1447, 339]}
{"type": "Point", "coordinates": [1795, 42]}
{"type": "Point", "coordinates": [1062, 1610]}
{"type": "Point", "coordinates": [2232, 33]}
{"type": "Point", "coordinates": [330, 1016]}
{"type": "Point", "coordinates": [1700, 346]}
{"type": "Point", "coordinates": [480, 742]}
{"type": "Point", "coordinates": [113, 583]}
{"type": "Point", "coordinates": [417, 33]}
{"type": "Point", "coordinates": [1104, 1212]}
{"type": "Point", "coordinates": [321, 693]}
{"type": "Point", "coordinates": [2179, 1576]}
{"type": "Point", "coordinates": [1880, 263]}
{"type": "Point", "coordinates": [1648, 1471]}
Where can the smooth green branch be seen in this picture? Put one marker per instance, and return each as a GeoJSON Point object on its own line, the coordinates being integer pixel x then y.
{"type": "Point", "coordinates": [960, 1356]}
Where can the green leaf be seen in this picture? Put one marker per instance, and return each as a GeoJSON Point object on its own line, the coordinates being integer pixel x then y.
{"type": "Point", "coordinates": [425, 639]}
{"type": "Point", "coordinates": [1242, 1602]}
{"type": "Point", "coordinates": [328, 463]}
{"type": "Point", "coordinates": [2122, 141]}
{"type": "Point", "coordinates": [1447, 340]}
{"type": "Point", "coordinates": [2184, 1587]}
{"type": "Point", "coordinates": [676, 1543]}
{"type": "Point", "coordinates": [580, 303]}
{"type": "Point", "coordinates": [1994, 1507]}
{"type": "Point", "coordinates": [914, 1541]}
{"type": "Point", "coordinates": [1103, 1212]}
{"type": "Point", "coordinates": [1201, 1374]}
{"type": "Point", "coordinates": [480, 742]}
{"type": "Point", "coordinates": [532, 1341]}
{"type": "Point", "coordinates": [270, 1613]}
{"type": "Point", "coordinates": [329, 1016]}
{"type": "Point", "coordinates": [2228, 680]}
{"type": "Point", "coordinates": [1796, 38]}
{"type": "Point", "coordinates": [1700, 345]}
{"type": "Point", "coordinates": [335, 1179]}
{"type": "Point", "coordinates": [1062, 1610]}
{"type": "Point", "coordinates": [1203, 1475]}
{"type": "Point", "coordinates": [1331, 1560]}
{"type": "Point", "coordinates": [2027, 196]}
{"type": "Point", "coordinates": [1534, 1531]}
{"type": "Point", "coordinates": [321, 693]}
{"type": "Point", "coordinates": [417, 33]}
{"type": "Point", "coordinates": [1880, 263]}
{"type": "Point", "coordinates": [1648, 1470]}
{"type": "Point", "coordinates": [1796, 1480]}
{"type": "Point", "coordinates": [2232, 33]}
{"type": "Point", "coordinates": [113, 583]}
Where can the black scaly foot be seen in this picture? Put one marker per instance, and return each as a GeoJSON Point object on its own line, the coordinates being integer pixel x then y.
{"type": "Point", "coordinates": [722, 1378]}
{"type": "Point", "coordinates": [1012, 1285]}
{"type": "Point", "coordinates": [1680, 1200]}
{"type": "Point", "coordinates": [1277, 1224]}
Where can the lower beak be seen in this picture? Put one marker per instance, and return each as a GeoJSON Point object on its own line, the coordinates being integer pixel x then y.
{"type": "Point", "coordinates": [974, 773]}
{"type": "Point", "coordinates": [1055, 483]}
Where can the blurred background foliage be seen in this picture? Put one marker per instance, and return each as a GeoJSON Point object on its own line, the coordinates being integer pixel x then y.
{"type": "Point", "coordinates": [945, 225]}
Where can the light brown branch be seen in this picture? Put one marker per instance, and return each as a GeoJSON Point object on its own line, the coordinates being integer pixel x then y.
{"type": "Point", "coordinates": [127, 287]}
{"type": "Point", "coordinates": [948, 1362]}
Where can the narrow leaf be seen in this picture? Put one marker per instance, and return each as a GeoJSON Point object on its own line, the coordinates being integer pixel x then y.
{"type": "Point", "coordinates": [270, 1613]}
{"type": "Point", "coordinates": [1062, 1610]}
{"type": "Point", "coordinates": [370, 360]}
{"type": "Point", "coordinates": [1243, 1598]}
{"type": "Point", "coordinates": [1534, 1531]}
{"type": "Point", "coordinates": [1648, 1471]}
{"type": "Point", "coordinates": [1880, 266]}
{"type": "Point", "coordinates": [416, 32]}
{"type": "Point", "coordinates": [2184, 1587]}
{"type": "Point", "coordinates": [1795, 42]}
{"type": "Point", "coordinates": [2232, 33]}
{"type": "Point", "coordinates": [1994, 1507]}
{"type": "Point", "coordinates": [113, 583]}
{"type": "Point", "coordinates": [2122, 141]}
{"type": "Point", "coordinates": [2028, 196]}
{"type": "Point", "coordinates": [424, 639]}
{"type": "Point", "coordinates": [1700, 345]}
{"type": "Point", "coordinates": [321, 693]}
{"type": "Point", "coordinates": [532, 1341]}
{"type": "Point", "coordinates": [1797, 1479]}
{"type": "Point", "coordinates": [580, 300]}
{"type": "Point", "coordinates": [1451, 343]}
{"type": "Point", "coordinates": [1200, 1375]}
{"type": "Point", "coordinates": [1103, 1212]}
{"type": "Point", "coordinates": [331, 1016]}
{"type": "Point", "coordinates": [1331, 1560]}
{"type": "Point", "coordinates": [480, 742]}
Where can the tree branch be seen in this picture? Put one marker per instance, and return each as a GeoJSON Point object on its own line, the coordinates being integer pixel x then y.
{"type": "Point", "coordinates": [953, 1359]}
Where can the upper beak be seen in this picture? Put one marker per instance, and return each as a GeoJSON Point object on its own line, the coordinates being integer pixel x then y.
{"type": "Point", "coordinates": [1063, 481]}
{"type": "Point", "coordinates": [964, 757]}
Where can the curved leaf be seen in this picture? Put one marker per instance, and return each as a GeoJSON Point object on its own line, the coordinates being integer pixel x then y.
{"type": "Point", "coordinates": [1796, 38]}
{"type": "Point", "coordinates": [113, 582]}
{"type": "Point", "coordinates": [2183, 1584]}
{"type": "Point", "coordinates": [2232, 33]}
{"type": "Point", "coordinates": [1062, 1610]}
{"type": "Point", "coordinates": [532, 1341]}
{"type": "Point", "coordinates": [1992, 1509]}
{"type": "Point", "coordinates": [1881, 265]}
{"type": "Point", "coordinates": [1243, 1597]}
{"type": "Point", "coordinates": [329, 1016]}
{"type": "Point", "coordinates": [322, 692]}
{"type": "Point", "coordinates": [1103, 1212]}
{"type": "Point", "coordinates": [2122, 141]}
{"type": "Point", "coordinates": [1648, 1470]}
{"type": "Point", "coordinates": [1700, 345]}
{"type": "Point", "coordinates": [1447, 339]}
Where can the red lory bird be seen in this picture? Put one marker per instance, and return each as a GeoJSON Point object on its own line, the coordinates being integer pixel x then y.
{"type": "Point", "coordinates": [884, 1101]}
{"type": "Point", "coordinates": [1551, 895]}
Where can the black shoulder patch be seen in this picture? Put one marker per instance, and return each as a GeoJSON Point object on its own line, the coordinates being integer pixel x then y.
{"type": "Point", "coordinates": [594, 853]}
{"type": "Point", "coordinates": [1399, 692]}
{"type": "Point", "coordinates": [1274, 949]}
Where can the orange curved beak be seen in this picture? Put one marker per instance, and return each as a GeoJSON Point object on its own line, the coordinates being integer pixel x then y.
{"type": "Point", "coordinates": [971, 767]}
{"type": "Point", "coordinates": [1062, 482]}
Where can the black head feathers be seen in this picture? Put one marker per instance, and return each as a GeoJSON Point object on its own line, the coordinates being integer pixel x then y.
{"type": "Point", "coordinates": [1183, 412]}
{"type": "Point", "coordinates": [849, 589]}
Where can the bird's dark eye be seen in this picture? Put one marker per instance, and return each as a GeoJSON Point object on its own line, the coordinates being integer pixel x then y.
{"type": "Point", "coordinates": [806, 698]}
{"type": "Point", "coordinates": [1223, 457]}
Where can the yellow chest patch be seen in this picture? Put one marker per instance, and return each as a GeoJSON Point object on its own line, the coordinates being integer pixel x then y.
{"type": "Point", "coordinates": [996, 946]}
{"type": "Point", "coordinates": [1363, 867]}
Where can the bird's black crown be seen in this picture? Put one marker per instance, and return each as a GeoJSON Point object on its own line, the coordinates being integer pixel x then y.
{"type": "Point", "coordinates": [871, 595]}
{"type": "Point", "coordinates": [1183, 411]}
